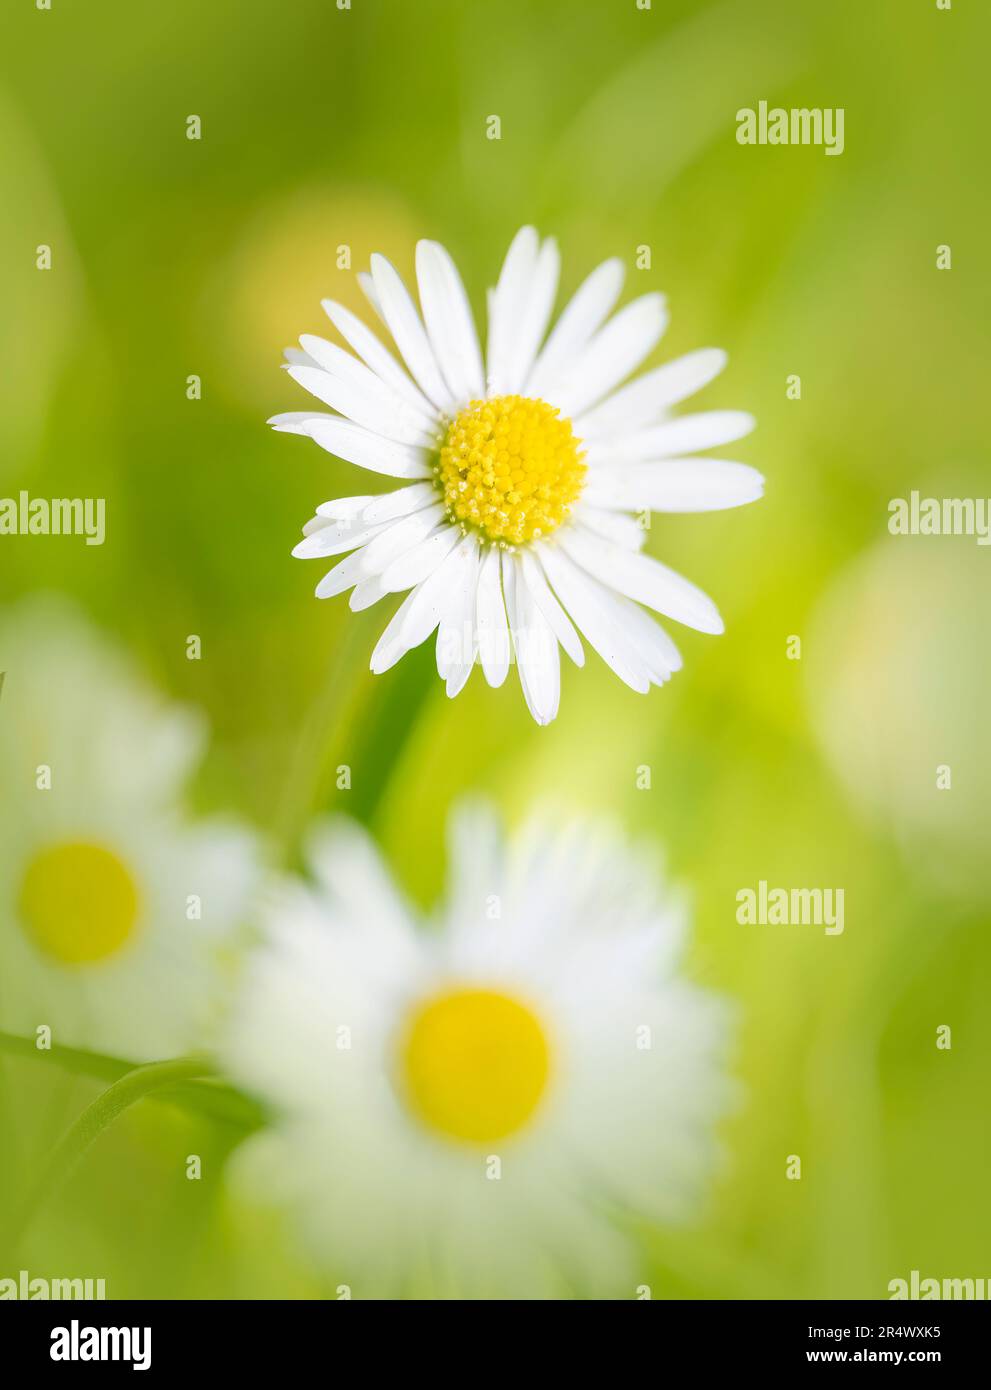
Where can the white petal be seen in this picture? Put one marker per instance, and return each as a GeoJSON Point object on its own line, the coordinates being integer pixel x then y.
{"type": "Point", "coordinates": [587, 603]}
{"type": "Point", "coordinates": [392, 646]}
{"type": "Point", "coordinates": [347, 864]}
{"type": "Point", "coordinates": [543, 596]}
{"type": "Point", "coordinates": [366, 593]}
{"type": "Point", "coordinates": [297, 357]}
{"type": "Point", "coordinates": [422, 560]}
{"type": "Point", "coordinates": [688, 434]}
{"type": "Point", "coordinates": [334, 539]}
{"type": "Point", "coordinates": [344, 507]}
{"type": "Point", "coordinates": [411, 338]}
{"type": "Point", "coordinates": [614, 525]}
{"type": "Point", "coordinates": [585, 311]}
{"type": "Point", "coordinates": [367, 285]}
{"type": "Point", "coordinates": [491, 339]}
{"type": "Point", "coordinates": [506, 303]}
{"type": "Point", "coordinates": [398, 537]}
{"type": "Point", "coordinates": [475, 856]}
{"type": "Point", "coordinates": [535, 316]}
{"type": "Point", "coordinates": [372, 407]}
{"type": "Point", "coordinates": [378, 357]}
{"type": "Point", "coordinates": [436, 594]}
{"type": "Point", "coordinates": [653, 643]}
{"type": "Point", "coordinates": [675, 485]}
{"type": "Point", "coordinates": [401, 503]}
{"type": "Point", "coordinates": [297, 421]}
{"type": "Point", "coordinates": [645, 400]}
{"type": "Point", "coordinates": [343, 365]}
{"type": "Point", "coordinates": [642, 578]}
{"type": "Point", "coordinates": [342, 576]}
{"type": "Point", "coordinates": [614, 352]}
{"type": "Point", "coordinates": [457, 639]}
{"type": "Point", "coordinates": [449, 323]}
{"type": "Point", "coordinates": [538, 657]}
{"type": "Point", "coordinates": [366, 448]}
{"type": "Point", "coordinates": [490, 619]}
{"type": "Point", "coordinates": [519, 309]}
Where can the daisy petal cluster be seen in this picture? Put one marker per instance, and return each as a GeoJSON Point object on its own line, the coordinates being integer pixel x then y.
{"type": "Point", "coordinates": [516, 531]}
{"type": "Point", "coordinates": [463, 1102]}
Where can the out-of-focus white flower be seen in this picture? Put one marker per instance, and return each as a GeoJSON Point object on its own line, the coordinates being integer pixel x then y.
{"type": "Point", "coordinates": [462, 1104]}
{"type": "Point", "coordinates": [115, 909]}
{"type": "Point", "coordinates": [515, 525]}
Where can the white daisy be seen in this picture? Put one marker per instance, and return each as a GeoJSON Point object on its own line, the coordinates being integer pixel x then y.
{"type": "Point", "coordinates": [514, 528]}
{"type": "Point", "coordinates": [463, 1105]}
{"type": "Point", "coordinates": [114, 910]}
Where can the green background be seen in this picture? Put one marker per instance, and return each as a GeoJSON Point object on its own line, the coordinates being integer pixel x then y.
{"type": "Point", "coordinates": [367, 128]}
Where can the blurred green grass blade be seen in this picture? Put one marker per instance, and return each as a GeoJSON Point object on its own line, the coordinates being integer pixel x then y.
{"type": "Point", "coordinates": [212, 1098]}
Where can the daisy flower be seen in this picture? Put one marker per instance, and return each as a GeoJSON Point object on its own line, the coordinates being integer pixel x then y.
{"type": "Point", "coordinates": [114, 909]}
{"type": "Point", "coordinates": [516, 526]}
{"type": "Point", "coordinates": [462, 1105]}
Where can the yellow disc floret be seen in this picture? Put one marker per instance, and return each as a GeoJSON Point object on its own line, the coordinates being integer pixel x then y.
{"type": "Point", "coordinates": [78, 903]}
{"type": "Point", "coordinates": [474, 1064]}
{"type": "Point", "coordinates": [510, 468]}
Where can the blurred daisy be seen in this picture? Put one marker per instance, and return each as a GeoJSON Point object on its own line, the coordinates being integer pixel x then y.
{"type": "Point", "coordinates": [114, 909]}
{"type": "Point", "coordinates": [515, 527]}
{"type": "Point", "coordinates": [462, 1105]}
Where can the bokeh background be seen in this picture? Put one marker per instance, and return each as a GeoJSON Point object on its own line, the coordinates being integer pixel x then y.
{"type": "Point", "coordinates": [366, 127]}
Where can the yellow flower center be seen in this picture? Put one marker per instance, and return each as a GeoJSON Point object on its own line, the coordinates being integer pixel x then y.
{"type": "Point", "coordinates": [474, 1064]}
{"type": "Point", "coordinates": [78, 903]}
{"type": "Point", "coordinates": [510, 468]}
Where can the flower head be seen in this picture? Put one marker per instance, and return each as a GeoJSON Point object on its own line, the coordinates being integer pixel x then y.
{"type": "Point", "coordinates": [115, 909]}
{"type": "Point", "coordinates": [515, 529]}
{"type": "Point", "coordinates": [460, 1102]}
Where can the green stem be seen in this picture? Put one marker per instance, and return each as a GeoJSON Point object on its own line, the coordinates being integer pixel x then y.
{"type": "Point", "coordinates": [137, 1084]}
{"type": "Point", "coordinates": [72, 1059]}
{"type": "Point", "coordinates": [213, 1098]}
